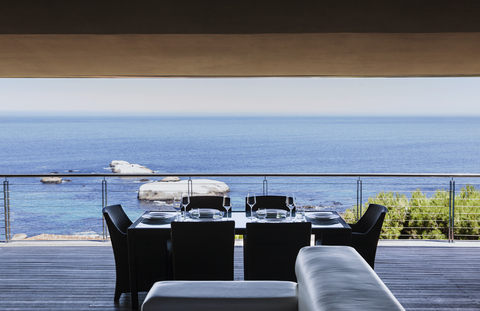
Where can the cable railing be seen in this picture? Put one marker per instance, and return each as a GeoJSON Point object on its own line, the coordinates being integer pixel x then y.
{"type": "Point", "coordinates": [421, 206]}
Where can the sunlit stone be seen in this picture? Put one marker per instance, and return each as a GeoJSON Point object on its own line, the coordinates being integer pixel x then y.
{"type": "Point", "coordinates": [125, 167]}
{"type": "Point", "coordinates": [162, 191]}
{"type": "Point", "coordinates": [51, 180]}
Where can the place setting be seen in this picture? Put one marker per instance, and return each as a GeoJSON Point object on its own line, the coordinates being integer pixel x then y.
{"type": "Point", "coordinates": [205, 214]}
{"type": "Point", "coordinates": [322, 218]}
{"type": "Point", "coordinates": [158, 217]}
{"type": "Point", "coordinates": [200, 213]}
{"type": "Point", "coordinates": [263, 214]}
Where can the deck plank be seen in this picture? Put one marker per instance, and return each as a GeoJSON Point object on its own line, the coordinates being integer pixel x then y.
{"type": "Point", "coordinates": [83, 277]}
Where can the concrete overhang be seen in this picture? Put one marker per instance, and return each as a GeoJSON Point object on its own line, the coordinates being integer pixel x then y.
{"type": "Point", "coordinates": [211, 38]}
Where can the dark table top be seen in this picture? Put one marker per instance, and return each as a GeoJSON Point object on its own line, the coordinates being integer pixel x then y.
{"type": "Point", "coordinates": [334, 226]}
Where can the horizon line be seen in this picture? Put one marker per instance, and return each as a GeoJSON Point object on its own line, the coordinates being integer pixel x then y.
{"type": "Point", "coordinates": [208, 115]}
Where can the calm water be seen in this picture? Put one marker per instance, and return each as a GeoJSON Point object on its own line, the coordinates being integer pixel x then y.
{"type": "Point", "coordinates": [223, 145]}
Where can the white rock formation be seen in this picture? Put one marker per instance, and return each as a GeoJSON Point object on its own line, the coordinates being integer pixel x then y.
{"type": "Point", "coordinates": [19, 236]}
{"type": "Point", "coordinates": [127, 168]}
{"type": "Point", "coordinates": [117, 162]}
{"type": "Point", "coordinates": [51, 180]}
{"type": "Point", "coordinates": [162, 191]}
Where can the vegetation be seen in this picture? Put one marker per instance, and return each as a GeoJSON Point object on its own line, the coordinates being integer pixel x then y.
{"type": "Point", "coordinates": [421, 217]}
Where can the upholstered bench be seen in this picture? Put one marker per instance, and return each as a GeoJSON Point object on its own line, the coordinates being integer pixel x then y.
{"type": "Point", "coordinates": [338, 278]}
{"type": "Point", "coordinates": [333, 278]}
{"type": "Point", "coordinates": [222, 295]}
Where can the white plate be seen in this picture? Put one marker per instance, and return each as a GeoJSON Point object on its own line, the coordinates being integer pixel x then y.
{"type": "Point", "coordinates": [321, 216]}
{"type": "Point", "coordinates": [158, 215]}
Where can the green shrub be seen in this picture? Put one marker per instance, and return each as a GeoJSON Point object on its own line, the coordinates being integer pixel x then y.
{"type": "Point", "coordinates": [427, 217]}
{"type": "Point", "coordinates": [467, 216]}
{"type": "Point", "coordinates": [423, 217]}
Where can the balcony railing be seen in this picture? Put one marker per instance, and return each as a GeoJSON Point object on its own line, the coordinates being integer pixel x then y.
{"type": "Point", "coordinates": [433, 206]}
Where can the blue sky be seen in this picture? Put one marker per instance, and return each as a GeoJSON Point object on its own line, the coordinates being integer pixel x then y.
{"type": "Point", "coordinates": [243, 96]}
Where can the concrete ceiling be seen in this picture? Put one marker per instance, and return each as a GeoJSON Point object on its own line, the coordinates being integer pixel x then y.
{"type": "Point", "coordinates": [213, 38]}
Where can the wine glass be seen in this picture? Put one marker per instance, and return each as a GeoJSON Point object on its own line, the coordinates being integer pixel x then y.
{"type": "Point", "coordinates": [290, 202]}
{"type": "Point", "coordinates": [177, 205]}
{"type": "Point", "coordinates": [251, 201]}
{"type": "Point", "coordinates": [227, 204]}
{"type": "Point", "coordinates": [185, 202]}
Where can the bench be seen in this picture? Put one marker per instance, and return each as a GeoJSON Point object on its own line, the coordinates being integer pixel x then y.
{"type": "Point", "coordinates": [328, 278]}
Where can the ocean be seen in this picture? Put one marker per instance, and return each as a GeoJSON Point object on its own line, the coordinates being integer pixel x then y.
{"type": "Point", "coordinates": [223, 145]}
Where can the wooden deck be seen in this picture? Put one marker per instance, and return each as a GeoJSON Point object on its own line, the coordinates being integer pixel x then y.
{"type": "Point", "coordinates": [83, 277]}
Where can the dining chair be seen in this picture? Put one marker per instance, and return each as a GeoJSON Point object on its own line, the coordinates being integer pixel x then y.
{"type": "Point", "coordinates": [151, 250]}
{"type": "Point", "coordinates": [269, 201]}
{"type": "Point", "coordinates": [366, 232]}
{"type": "Point", "coordinates": [271, 249]}
{"type": "Point", "coordinates": [117, 224]}
{"type": "Point", "coordinates": [206, 201]}
{"type": "Point", "coordinates": [203, 250]}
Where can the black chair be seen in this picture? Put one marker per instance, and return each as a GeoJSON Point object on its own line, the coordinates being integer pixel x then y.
{"type": "Point", "coordinates": [205, 201]}
{"type": "Point", "coordinates": [366, 232]}
{"type": "Point", "coordinates": [118, 223]}
{"type": "Point", "coordinates": [151, 250]}
{"type": "Point", "coordinates": [271, 249]}
{"type": "Point", "coordinates": [203, 250]}
{"type": "Point", "coordinates": [268, 201]}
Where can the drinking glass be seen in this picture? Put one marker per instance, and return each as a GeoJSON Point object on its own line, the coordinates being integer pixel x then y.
{"type": "Point", "coordinates": [177, 205]}
{"type": "Point", "coordinates": [300, 212]}
{"type": "Point", "coordinates": [251, 201]}
{"type": "Point", "coordinates": [261, 214]}
{"type": "Point", "coordinates": [195, 213]}
{"type": "Point", "coordinates": [227, 203]}
{"type": "Point", "coordinates": [290, 202]}
{"type": "Point", "coordinates": [185, 202]}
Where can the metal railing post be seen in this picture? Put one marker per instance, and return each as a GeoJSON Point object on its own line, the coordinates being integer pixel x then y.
{"type": "Point", "coordinates": [104, 203]}
{"type": "Point", "coordinates": [359, 198]}
{"type": "Point", "coordinates": [6, 205]}
{"type": "Point", "coordinates": [451, 212]}
{"type": "Point", "coordinates": [190, 186]}
{"type": "Point", "coordinates": [265, 185]}
{"type": "Point", "coordinates": [104, 193]}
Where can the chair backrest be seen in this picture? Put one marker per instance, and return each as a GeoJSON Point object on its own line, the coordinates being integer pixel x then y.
{"type": "Point", "coordinates": [374, 215]}
{"type": "Point", "coordinates": [203, 250]}
{"type": "Point", "coordinates": [115, 216]}
{"type": "Point", "coordinates": [270, 249]}
{"type": "Point", "coordinates": [206, 201]}
{"type": "Point", "coordinates": [268, 201]}
{"type": "Point", "coordinates": [117, 224]}
{"type": "Point", "coordinates": [366, 232]}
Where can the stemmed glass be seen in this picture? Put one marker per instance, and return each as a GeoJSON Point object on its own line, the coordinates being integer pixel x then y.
{"type": "Point", "coordinates": [177, 205]}
{"type": "Point", "coordinates": [251, 201]}
{"type": "Point", "coordinates": [290, 202]}
{"type": "Point", "coordinates": [227, 203]}
{"type": "Point", "coordinates": [185, 202]}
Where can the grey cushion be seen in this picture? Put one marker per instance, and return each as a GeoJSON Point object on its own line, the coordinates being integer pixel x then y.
{"type": "Point", "coordinates": [222, 295]}
{"type": "Point", "coordinates": [338, 278]}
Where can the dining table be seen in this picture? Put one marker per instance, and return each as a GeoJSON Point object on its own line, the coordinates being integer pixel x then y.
{"type": "Point", "coordinates": [327, 226]}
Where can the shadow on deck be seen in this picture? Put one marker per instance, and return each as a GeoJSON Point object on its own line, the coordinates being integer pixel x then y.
{"type": "Point", "coordinates": [83, 277]}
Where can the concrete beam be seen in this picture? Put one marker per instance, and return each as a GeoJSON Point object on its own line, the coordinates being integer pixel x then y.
{"type": "Point", "coordinates": [147, 38]}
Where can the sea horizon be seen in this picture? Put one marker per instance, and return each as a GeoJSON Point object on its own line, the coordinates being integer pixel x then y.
{"type": "Point", "coordinates": [41, 145]}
